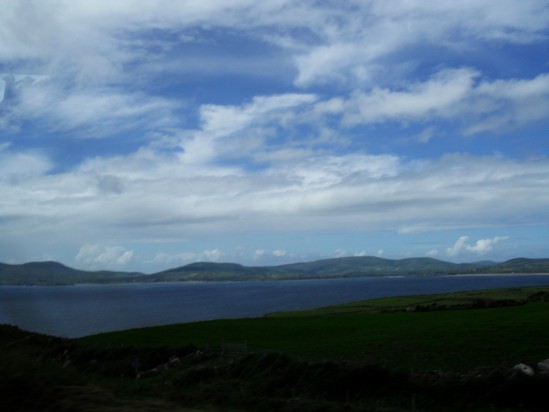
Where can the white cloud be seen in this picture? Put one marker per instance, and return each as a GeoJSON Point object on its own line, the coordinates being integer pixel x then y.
{"type": "Point", "coordinates": [453, 94]}
{"type": "Point", "coordinates": [166, 259]}
{"type": "Point", "coordinates": [324, 171]}
{"type": "Point", "coordinates": [344, 43]}
{"type": "Point", "coordinates": [436, 97]}
{"type": "Point", "coordinates": [510, 103]}
{"type": "Point", "coordinates": [224, 122]}
{"type": "Point", "coordinates": [432, 253]}
{"type": "Point", "coordinates": [33, 38]}
{"type": "Point", "coordinates": [325, 63]}
{"type": "Point", "coordinates": [357, 46]}
{"type": "Point", "coordinates": [239, 161]}
{"type": "Point", "coordinates": [340, 253]}
{"type": "Point", "coordinates": [480, 247]}
{"type": "Point", "coordinates": [459, 246]}
{"type": "Point", "coordinates": [94, 52]}
{"type": "Point", "coordinates": [155, 196]}
{"type": "Point", "coordinates": [183, 258]}
{"type": "Point", "coordinates": [94, 112]}
{"type": "Point", "coordinates": [94, 254]}
{"type": "Point", "coordinates": [126, 200]}
{"type": "Point", "coordinates": [85, 108]}
{"type": "Point", "coordinates": [11, 83]}
{"type": "Point", "coordinates": [21, 165]}
{"type": "Point", "coordinates": [212, 255]}
{"type": "Point", "coordinates": [231, 254]}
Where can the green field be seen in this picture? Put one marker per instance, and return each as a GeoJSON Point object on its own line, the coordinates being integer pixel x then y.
{"type": "Point", "coordinates": [385, 331]}
{"type": "Point", "coordinates": [450, 352]}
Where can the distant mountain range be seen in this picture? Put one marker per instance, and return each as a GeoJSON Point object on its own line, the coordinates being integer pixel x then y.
{"type": "Point", "coordinates": [54, 273]}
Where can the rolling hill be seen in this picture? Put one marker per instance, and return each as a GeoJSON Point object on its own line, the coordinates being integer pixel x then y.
{"type": "Point", "coordinates": [346, 267]}
{"type": "Point", "coordinates": [326, 268]}
{"type": "Point", "coordinates": [54, 273]}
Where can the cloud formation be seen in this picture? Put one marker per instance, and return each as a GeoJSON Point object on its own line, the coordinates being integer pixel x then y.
{"type": "Point", "coordinates": [94, 51]}
{"type": "Point", "coordinates": [104, 256]}
{"type": "Point", "coordinates": [480, 247]}
{"type": "Point", "coordinates": [148, 123]}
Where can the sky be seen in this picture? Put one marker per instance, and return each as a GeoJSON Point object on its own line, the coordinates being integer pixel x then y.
{"type": "Point", "coordinates": [148, 134]}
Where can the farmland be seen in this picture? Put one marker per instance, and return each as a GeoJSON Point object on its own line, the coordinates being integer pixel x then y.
{"type": "Point", "coordinates": [449, 352]}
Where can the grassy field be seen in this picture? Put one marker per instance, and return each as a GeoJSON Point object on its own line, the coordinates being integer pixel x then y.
{"type": "Point", "coordinates": [435, 332]}
{"type": "Point", "coordinates": [434, 353]}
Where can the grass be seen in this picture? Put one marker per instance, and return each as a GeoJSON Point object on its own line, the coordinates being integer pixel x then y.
{"type": "Point", "coordinates": [448, 340]}
{"type": "Point", "coordinates": [404, 302]}
{"type": "Point", "coordinates": [365, 356]}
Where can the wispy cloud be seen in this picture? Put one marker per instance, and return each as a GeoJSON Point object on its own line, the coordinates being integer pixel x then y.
{"type": "Point", "coordinates": [16, 166]}
{"type": "Point", "coordinates": [436, 97]}
{"type": "Point", "coordinates": [370, 191]}
{"type": "Point", "coordinates": [202, 119]}
{"type": "Point", "coordinates": [454, 95]}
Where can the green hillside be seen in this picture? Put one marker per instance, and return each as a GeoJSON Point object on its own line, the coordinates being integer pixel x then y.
{"type": "Point", "coordinates": [346, 267]}
{"type": "Point", "coordinates": [53, 273]}
{"type": "Point", "coordinates": [521, 265]}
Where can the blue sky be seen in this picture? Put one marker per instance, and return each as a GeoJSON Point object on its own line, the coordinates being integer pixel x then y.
{"type": "Point", "coordinates": [143, 135]}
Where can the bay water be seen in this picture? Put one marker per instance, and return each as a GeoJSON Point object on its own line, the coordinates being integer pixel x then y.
{"type": "Point", "coordinates": [75, 311]}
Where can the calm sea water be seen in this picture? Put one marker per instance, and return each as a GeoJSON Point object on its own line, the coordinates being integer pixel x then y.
{"type": "Point", "coordinates": [74, 311]}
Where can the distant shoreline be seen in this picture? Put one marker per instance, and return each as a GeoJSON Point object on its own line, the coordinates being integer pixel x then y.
{"type": "Point", "coordinates": [256, 280]}
{"type": "Point", "coordinates": [57, 274]}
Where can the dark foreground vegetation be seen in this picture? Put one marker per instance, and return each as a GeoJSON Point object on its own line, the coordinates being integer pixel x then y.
{"type": "Point", "coordinates": [452, 352]}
